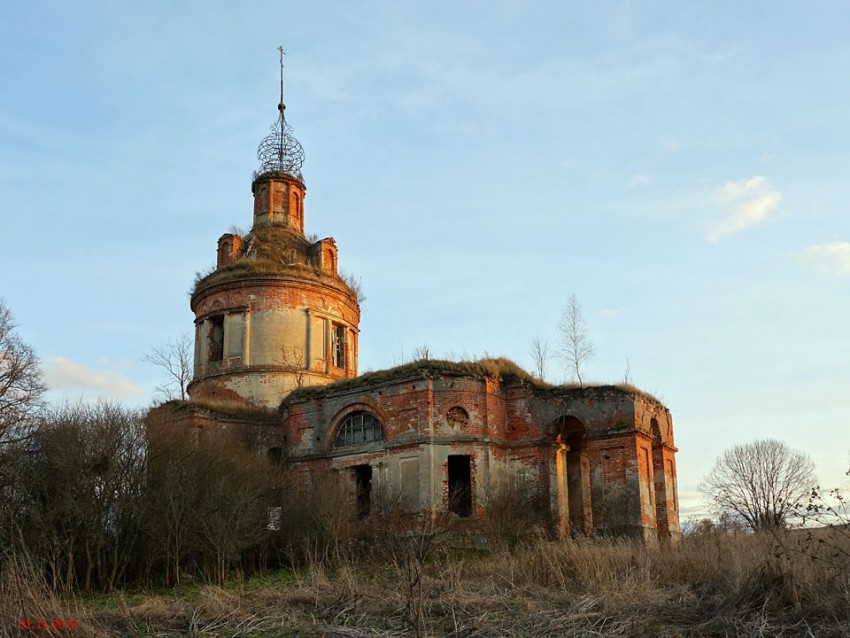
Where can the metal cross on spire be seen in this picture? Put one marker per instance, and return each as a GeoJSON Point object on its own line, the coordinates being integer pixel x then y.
{"type": "Point", "coordinates": [281, 107]}
{"type": "Point", "coordinates": [280, 152]}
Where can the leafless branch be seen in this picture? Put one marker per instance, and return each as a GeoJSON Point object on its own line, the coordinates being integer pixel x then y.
{"type": "Point", "coordinates": [422, 352]}
{"type": "Point", "coordinates": [175, 358]}
{"type": "Point", "coordinates": [293, 360]}
{"type": "Point", "coordinates": [759, 483]}
{"type": "Point", "coordinates": [576, 348]}
{"type": "Point", "coordinates": [21, 385]}
{"type": "Point", "coordinates": [540, 356]}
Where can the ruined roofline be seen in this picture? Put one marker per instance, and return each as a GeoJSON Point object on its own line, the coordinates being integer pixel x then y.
{"type": "Point", "coordinates": [574, 389]}
{"type": "Point", "coordinates": [494, 368]}
{"type": "Point", "coordinates": [275, 252]}
{"type": "Point", "coordinates": [231, 411]}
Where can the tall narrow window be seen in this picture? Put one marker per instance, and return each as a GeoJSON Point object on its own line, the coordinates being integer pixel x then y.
{"type": "Point", "coordinates": [338, 345]}
{"type": "Point", "coordinates": [325, 350]}
{"type": "Point", "coordinates": [217, 338]}
{"type": "Point", "coordinates": [646, 483]}
{"type": "Point", "coordinates": [363, 482]}
{"type": "Point", "coordinates": [296, 205]}
{"type": "Point", "coordinates": [460, 485]}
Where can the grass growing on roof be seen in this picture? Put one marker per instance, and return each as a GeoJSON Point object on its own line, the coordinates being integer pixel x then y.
{"type": "Point", "coordinates": [275, 251]}
{"type": "Point", "coordinates": [500, 368]}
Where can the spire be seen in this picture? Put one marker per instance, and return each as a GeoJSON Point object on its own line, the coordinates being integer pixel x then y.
{"type": "Point", "coordinates": [280, 152]}
{"type": "Point", "coordinates": [281, 106]}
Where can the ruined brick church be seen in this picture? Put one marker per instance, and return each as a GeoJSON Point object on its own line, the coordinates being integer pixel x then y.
{"type": "Point", "coordinates": [276, 353]}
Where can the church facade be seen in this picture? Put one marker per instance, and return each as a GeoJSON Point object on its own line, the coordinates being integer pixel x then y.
{"type": "Point", "coordinates": [276, 354]}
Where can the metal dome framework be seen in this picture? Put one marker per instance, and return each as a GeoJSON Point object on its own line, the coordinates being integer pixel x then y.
{"type": "Point", "coordinates": [280, 152]}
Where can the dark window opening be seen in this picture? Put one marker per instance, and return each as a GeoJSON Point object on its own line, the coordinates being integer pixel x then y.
{"type": "Point", "coordinates": [338, 344]}
{"type": "Point", "coordinates": [358, 428]}
{"type": "Point", "coordinates": [363, 480]}
{"type": "Point", "coordinates": [275, 455]}
{"type": "Point", "coordinates": [217, 338]}
{"type": "Point", "coordinates": [656, 431]}
{"type": "Point", "coordinates": [460, 485]}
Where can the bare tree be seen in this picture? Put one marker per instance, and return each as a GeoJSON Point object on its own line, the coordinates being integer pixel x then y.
{"type": "Point", "coordinates": [77, 506]}
{"type": "Point", "coordinates": [512, 511]}
{"type": "Point", "coordinates": [759, 483]}
{"type": "Point", "coordinates": [206, 499]}
{"type": "Point", "coordinates": [175, 357]}
{"type": "Point", "coordinates": [422, 352]}
{"type": "Point", "coordinates": [540, 356]}
{"type": "Point", "coordinates": [576, 347]}
{"type": "Point", "coordinates": [21, 386]}
{"type": "Point", "coordinates": [292, 359]}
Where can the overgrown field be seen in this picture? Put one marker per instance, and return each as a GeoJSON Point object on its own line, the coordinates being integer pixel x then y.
{"type": "Point", "coordinates": [120, 529]}
{"type": "Point", "coordinates": [425, 584]}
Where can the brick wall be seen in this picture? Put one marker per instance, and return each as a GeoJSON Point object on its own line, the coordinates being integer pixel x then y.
{"type": "Point", "coordinates": [502, 427]}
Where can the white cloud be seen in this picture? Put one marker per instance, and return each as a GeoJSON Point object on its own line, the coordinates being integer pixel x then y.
{"type": "Point", "coordinates": [63, 374]}
{"type": "Point", "coordinates": [745, 203]}
{"type": "Point", "coordinates": [609, 313]}
{"type": "Point", "coordinates": [832, 258]}
{"type": "Point", "coordinates": [692, 506]}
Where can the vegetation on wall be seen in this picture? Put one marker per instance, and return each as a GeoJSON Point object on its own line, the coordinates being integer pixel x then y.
{"type": "Point", "coordinates": [276, 251]}
{"type": "Point", "coordinates": [499, 368]}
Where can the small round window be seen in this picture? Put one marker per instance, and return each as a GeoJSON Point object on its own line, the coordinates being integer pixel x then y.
{"type": "Point", "coordinates": [358, 428]}
{"type": "Point", "coordinates": [457, 417]}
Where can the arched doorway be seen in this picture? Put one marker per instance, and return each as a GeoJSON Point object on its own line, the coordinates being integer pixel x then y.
{"type": "Point", "coordinates": [570, 476]}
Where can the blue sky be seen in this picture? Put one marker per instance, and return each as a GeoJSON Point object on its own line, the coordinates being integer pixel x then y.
{"type": "Point", "coordinates": [682, 170]}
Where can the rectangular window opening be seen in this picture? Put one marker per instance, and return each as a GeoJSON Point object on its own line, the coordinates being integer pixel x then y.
{"type": "Point", "coordinates": [460, 485]}
{"type": "Point", "coordinates": [217, 338]}
{"type": "Point", "coordinates": [274, 516]}
{"type": "Point", "coordinates": [363, 481]}
{"type": "Point", "coordinates": [338, 345]}
{"type": "Point", "coordinates": [647, 484]}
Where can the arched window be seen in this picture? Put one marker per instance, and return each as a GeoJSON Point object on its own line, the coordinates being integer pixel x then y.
{"type": "Point", "coordinates": [655, 429]}
{"type": "Point", "coordinates": [358, 428]}
{"type": "Point", "coordinates": [457, 417]}
{"type": "Point", "coordinates": [296, 205]}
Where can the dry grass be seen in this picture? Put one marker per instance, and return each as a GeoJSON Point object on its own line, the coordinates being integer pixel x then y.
{"type": "Point", "coordinates": [26, 595]}
{"type": "Point", "coordinates": [710, 586]}
{"type": "Point", "coordinates": [275, 251]}
{"type": "Point", "coordinates": [496, 368]}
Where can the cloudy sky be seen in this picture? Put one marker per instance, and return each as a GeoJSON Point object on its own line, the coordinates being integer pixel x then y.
{"type": "Point", "coordinates": [681, 169]}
